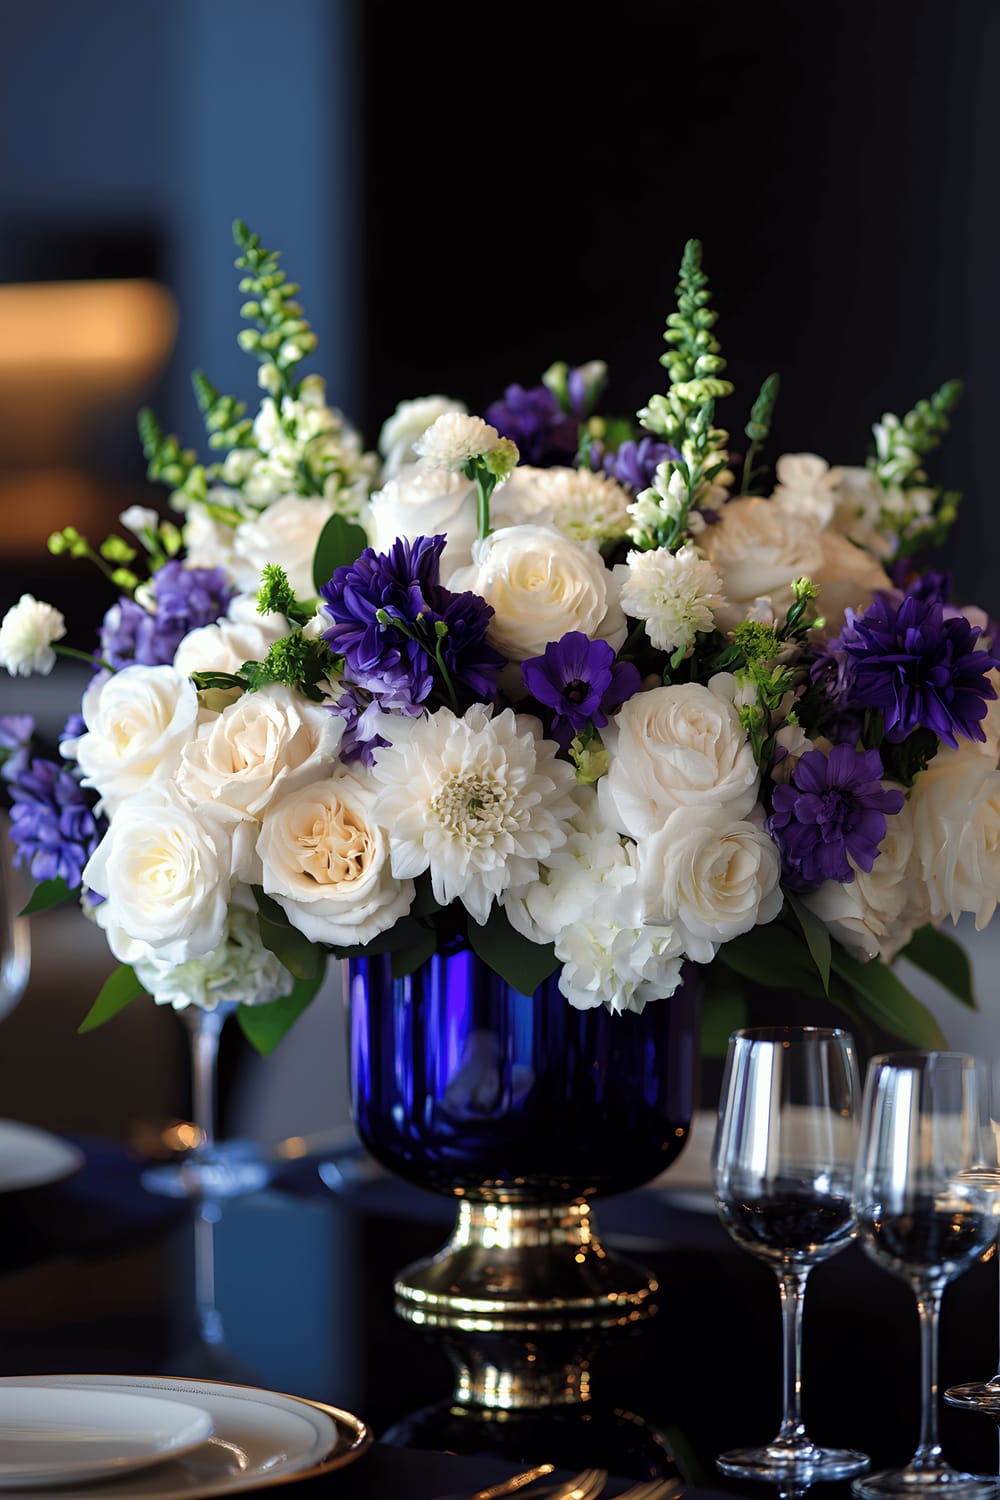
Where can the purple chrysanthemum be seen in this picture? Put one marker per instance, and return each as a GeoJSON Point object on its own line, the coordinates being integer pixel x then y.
{"type": "Point", "coordinates": [186, 598]}
{"type": "Point", "coordinates": [635, 464]}
{"type": "Point", "coordinates": [52, 823]}
{"type": "Point", "coordinates": [400, 631]}
{"type": "Point", "coordinates": [533, 419]}
{"type": "Point", "coordinates": [581, 681]}
{"type": "Point", "coordinates": [919, 666]}
{"type": "Point", "coordinates": [834, 806]}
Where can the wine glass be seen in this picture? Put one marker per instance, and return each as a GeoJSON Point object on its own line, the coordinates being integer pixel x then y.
{"type": "Point", "coordinates": [15, 933]}
{"type": "Point", "coordinates": [782, 1164]}
{"type": "Point", "coordinates": [924, 1196]}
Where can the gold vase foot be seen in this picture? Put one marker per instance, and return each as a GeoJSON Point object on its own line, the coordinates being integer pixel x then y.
{"type": "Point", "coordinates": [511, 1267]}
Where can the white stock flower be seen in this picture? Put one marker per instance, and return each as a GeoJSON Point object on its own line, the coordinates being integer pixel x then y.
{"type": "Point", "coordinates": [581, 503]}
{"type": "Point", "coordinates": [542, 585]}
{"type": "Point", "coordinates": [452, 439]}
{"type": "Point", "coordinates": [613, 957]}
{"type": "Point", "coordinates": [805, 487]}
{"type": "Point", "coordinates": [758, 548]}
{"type": "Point", "coordinates": [678, 746]}
{"type": "Point", "coordinates": [857, 500]}
{"type": "Point", "coordinates": [479, 801]}
{"type": "Point", "coordinates": [676, 594]}
{"type": "Point", "coordinates": [407, 424]}
{"type": "Point", "coordinates": [26, 635]}
{"type": "Point", "coordinates": [955, 806]}
{"type": "Point", "coordinates": [325, 859]}
{"type": "Point", "coordinates": [709, 877]}
{"type": "Point", "coordinates": [138, 722]}
{"type": "Point", "coordinates": [209, 543]}
{"type": "Point", "coordinates": [165, 869]}
{"type": "Point", "coordinates": [286, 534]}
{"type": "Point", "coordinates": [239, 971]}
{"type": "Point", "coordinates": [425, 502]}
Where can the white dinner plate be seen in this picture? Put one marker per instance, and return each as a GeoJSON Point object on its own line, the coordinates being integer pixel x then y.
{"type": "Point", "coordinates": [30, 1157]}
{"type": "Point", "coordinates": [57, 1437]}
{"type": "Point", "coordinates": [260, 1438]}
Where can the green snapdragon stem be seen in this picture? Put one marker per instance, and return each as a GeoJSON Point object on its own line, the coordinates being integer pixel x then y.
{"type": "Point", "coordinates": [94, 661]}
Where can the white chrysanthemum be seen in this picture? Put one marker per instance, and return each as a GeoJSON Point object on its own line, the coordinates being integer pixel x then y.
{"type": "Point", "coordinates": [240, 970]}
{"type": "Point", "coordinates": [612, 957]}
{"type": "Point", "coordinates": [583, 505]}
{"type": "Point", "coordinates": [676, 594]}
{"type": "Point", "coordinates": [478, 801]}
{"type": "Point", "coordinates": [454, 438]}
{"type": "Point", "coordinates": [407, 424]}
{"type": "Point", "coordinates": [26, 637]}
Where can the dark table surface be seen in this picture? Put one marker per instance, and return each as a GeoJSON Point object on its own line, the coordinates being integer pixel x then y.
{"type": "Point", "coordinates": [97, 1278]}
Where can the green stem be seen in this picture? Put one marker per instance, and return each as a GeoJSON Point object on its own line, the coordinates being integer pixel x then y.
{"type": "Point", "coordinates": [95, 661]}
{"type": "Point", "coordinates": [485, 485]}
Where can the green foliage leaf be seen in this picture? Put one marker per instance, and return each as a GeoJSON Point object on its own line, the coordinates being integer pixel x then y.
{"type": "Point", "coordinates": [817, 937]}
{"type": "Point", "coordinates": [774, 956]}
{"type": "Point", "coordinates": [300, 955]}
{"type": "Point", "coordinates": [883, 998]}
{"type": "Point", "coordinates": [118, 990]}
{"type": "Point", "coordinates": [340, 543]}
{"type": "Point", "coordinates": [48, 893]}
{"type": "Point", "coordinates": [942, 956]}
{"type": "Point", "coordinates": [723, 1011]}
{"type": "Point", "coordinates": [407, 960]}
{"type": "Point", "coordinates": [265, 1025]}
{"type": "Point", "coordinates": [523, 964]}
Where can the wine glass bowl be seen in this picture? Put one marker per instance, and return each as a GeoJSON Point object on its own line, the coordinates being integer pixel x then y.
{"type": "Point", "coordinates": [925, 1198]}
{"type": "Point", "coordinates": [783, 1162]}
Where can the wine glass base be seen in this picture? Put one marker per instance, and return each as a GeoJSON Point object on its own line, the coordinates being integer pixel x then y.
{"type": "Point", "coordinates": [976, 1395]}
{"type": "Point", "coordinates": [799, 1466]}
{"type": "Point", "coordinates": [232, 1169]}
{"type": "Point", "coordinates": [898, 1484]}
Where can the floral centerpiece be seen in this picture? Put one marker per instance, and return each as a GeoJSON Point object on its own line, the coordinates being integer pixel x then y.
{"type": "Point", "coordinates": [605, 697]}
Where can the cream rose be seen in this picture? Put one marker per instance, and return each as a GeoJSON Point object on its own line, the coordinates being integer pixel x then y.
{"type": "Point", "coordinates": [758, 547]}
{"type": "Point", "coordinates": [680, 746]}
{"type": "Point", "coordinates": [542, 585]}
{"type": "Point", "coordinates": [326, 862]}
{"type": "Point", "coordinates": [847, 577]}
{"type": "Point", "coordinates": [166, 872]}
{"type": "Point", "coordinates": [244, 635]}
{"type": "Point", "coordinates": [425, 502]}
{"type": "Point", "coordinates": [709, 877]}
{"type": "Point", "coordinates": [138, 722]}
{"type": "Point", "coordinates": [285, 533]}
{"type": "Point", "coordinates": [955, 805]}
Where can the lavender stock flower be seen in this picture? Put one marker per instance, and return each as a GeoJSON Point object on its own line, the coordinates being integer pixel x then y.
{"type": "Point", "coordinates": [185, 598]}
{"type": "Point", "coordinates": [15, 738]}
{"type": "Point", "coordinates": [835, 806]}
{"type": "Point", "coordinates": [581, 681]}
{"type": "Point", "coordinates": [635, 464]}
{"type": "Point", "coordinates": [919, 667]}
{"type": "Point", "coordinates": [545, 435]}
{"type": "Point", "coordinates": [52, 823]}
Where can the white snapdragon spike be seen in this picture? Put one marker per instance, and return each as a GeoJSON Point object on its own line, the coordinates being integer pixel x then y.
{"type": "Point", "coordinates": [876, 914]}
{"type": "Point", "coordinates": [239, 971]}
{"type": "Point", "coordinates": [453, 439]}
{"type": "Point", "coordinates": [165, 870]}
{"type": "Point", "coordinates": [261, 745]}
{"type": "Point", "coordinates": [285, 534]}
{"type": "Point", "coordinates": [664, 501]}
{"type": "Point", "coordinates": [857, 509]}
{"type": "Point", "coordinates": [613, 957]}
{"type": "Point", "coordinates": [580, 503]}
{"type": "Point", "coordinates": [955, 807]}
{"type": "Point", "coordinates": [593, 864]}
{"type": "Point", "coordinates": [209, 543]}
{"type": "Point", "coordinates": [710, 878]}
{"type": "Point", "coordinates": [138, 722]}
{"type": "Point", "coordinates": [325, 859]}
{"type": "Point", "coordinates": [27, 634]}
{"type": "Point", "coordinates": [677, 746]}
{"type": "Point", "coordinates": [407, 425]}
{"type": "Point", "coordinates": [478, 801]}
{"type": "Point", "coordinates": [541, 585]}
{"type": "Point", "coordinates": [676, 595]}
{"type": "Point", "coordinates": [139, 519]}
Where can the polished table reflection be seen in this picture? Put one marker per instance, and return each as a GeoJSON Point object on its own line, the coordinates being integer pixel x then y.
{"type": "Point", "coordinates": [97, 1277]}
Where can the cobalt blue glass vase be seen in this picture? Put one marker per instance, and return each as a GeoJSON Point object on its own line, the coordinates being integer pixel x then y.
{"type": "Point", "coordinates": [525, 1109]}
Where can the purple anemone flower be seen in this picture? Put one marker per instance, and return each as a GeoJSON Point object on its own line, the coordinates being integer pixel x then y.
{"type": "Point", "coordinates": [835, 806]}
{"type": "Point", "coordinates": [52, 823]}
{"type": "Point", "coordinates": [581, 681]}
{"type": "Point", "coordinates": [919, 666]}
{"type": "Point", "coordinates": [186, 598]}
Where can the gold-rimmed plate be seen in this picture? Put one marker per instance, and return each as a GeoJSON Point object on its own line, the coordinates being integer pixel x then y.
{"type": "Point", "coordinates": [260, 1438]}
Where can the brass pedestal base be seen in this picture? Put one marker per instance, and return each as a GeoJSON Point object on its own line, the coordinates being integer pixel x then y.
{"type": "Point", "coordinates": [511, 1268]}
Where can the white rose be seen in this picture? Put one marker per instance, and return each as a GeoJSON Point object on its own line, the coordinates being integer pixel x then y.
{"type": "Point", "coordinates": [876, 913]}
{"type": "Point", "coordinates": [426, 502]}
{"type": "Point", "coordinates": [406, 426]}
{"type": "Point", "coordinates": [326, 862]}
{"type": "Point", "coordinates": [244, 635]}
{"type": "Point", "coordinates": [679, 746]}
{"type": "Point", "coordinates": [286, 534]}
{"type": "Point", "coordinates": [138, 722]}
{"type": "Point", "coordinates": [758, 547]}
{"type": "Point", "coordinates": [165, 870]}
{"type": "Point", "coordinates": [264, 743]}
{"type": "Point", "coordinates": [710, 877]}
{"type": "Point", "coordinates": [542, 585]}
{"type": "Point", "coordinates": [955, 805]}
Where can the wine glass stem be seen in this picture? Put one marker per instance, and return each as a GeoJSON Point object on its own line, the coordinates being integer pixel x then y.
{"type": "Point", "coordinates": [206, 1215]}
{"type": "Point", "coordinates": [929, 1309]}
{"type": "Point", "coordinates": [792, 1286]}
{"type": "Point", "coordinates": [204, 1027]}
